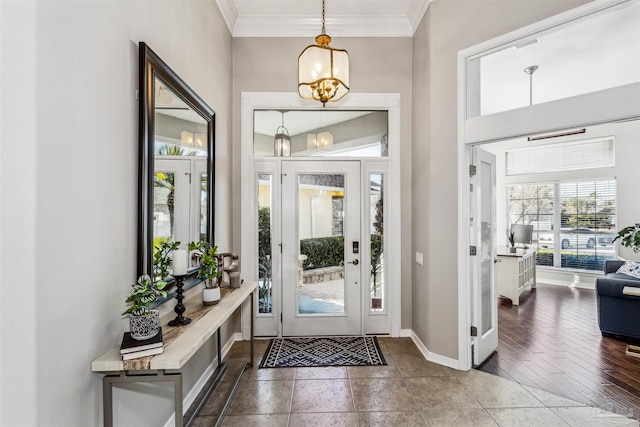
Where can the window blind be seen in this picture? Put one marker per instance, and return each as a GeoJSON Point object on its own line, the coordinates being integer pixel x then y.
{"type": "Point", "coordinates": [560, 157]}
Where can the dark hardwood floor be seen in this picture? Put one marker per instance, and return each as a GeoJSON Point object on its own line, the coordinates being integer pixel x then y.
{"type": "Point", "coordinates": [552, 342]}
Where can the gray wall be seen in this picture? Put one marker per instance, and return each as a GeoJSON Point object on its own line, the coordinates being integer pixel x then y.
{"type": "Point", "coordinates": [68, 191]}
{"type": "Point", "coordinates": [378, 65]}
{"type": "Point", "coordinates": [448, 27]}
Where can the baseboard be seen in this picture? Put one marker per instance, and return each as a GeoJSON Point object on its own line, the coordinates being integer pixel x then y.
{"type": "Point", "coordinates": [576, 279]}
{"type": "Point", "coordinates": [405, 333]}
{"type": "Point", "coordinates": [433, 357]}
{"type": "Point", "coordinates": [202, 381]}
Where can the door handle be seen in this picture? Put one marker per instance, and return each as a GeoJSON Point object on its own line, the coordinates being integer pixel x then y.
{"type": "Point", "coordinates": [497, 260]}
{"type": "Point", "coordinates": [354, 262]}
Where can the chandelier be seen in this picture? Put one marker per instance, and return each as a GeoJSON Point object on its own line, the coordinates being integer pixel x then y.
{"type": "Point", "coordinates": [323, 72]}
{"type": "Point", "coordinates": [282, 141]}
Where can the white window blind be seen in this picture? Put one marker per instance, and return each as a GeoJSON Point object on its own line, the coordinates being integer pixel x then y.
{"type": "Point", "coordinates": [558, 157]}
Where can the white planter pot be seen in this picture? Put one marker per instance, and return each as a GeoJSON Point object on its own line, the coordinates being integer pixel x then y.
{"type": "Point", "coordinates": [145, 326]}
{"type": "Point", "coordinates": [211, 296]}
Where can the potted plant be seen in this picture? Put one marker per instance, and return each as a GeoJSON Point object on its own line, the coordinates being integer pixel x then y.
{"type": "Point", "coordinates": [511, 236]}
{"type": "Point", "coordinates": [376, 269]}
{"type": "Point", "coordinates": [208, 270]}
{"type": "Point", "coordinates": [162, 259]}
{"type": "Point", "coordinates": [144, 323]}
{"type": "Point", "coordinates": [630, 237]}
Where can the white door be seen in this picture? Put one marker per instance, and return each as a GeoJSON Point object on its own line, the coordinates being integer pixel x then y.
{"type": "Point", "coordinates": [483, 238]}
{"type": "Point", "coordinates": [321, 231]}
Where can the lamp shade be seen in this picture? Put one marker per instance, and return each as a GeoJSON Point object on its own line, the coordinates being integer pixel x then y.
{"type": "Point", "coordinates": [323, 72]}
{"type": "Point", "coordinates": [319, 141]}
{"type": "Point", "coordinates": [282, 143]}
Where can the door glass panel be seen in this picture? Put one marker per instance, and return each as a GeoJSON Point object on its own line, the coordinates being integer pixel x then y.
{"type": "Point", "coordinates": [486, 250]}
{"type": "Point", "coordinates": [265, 292]}
{"type": "Point", "coordinates": [376, 218]}
{"type": "Point", "coordinates": [321, 284]}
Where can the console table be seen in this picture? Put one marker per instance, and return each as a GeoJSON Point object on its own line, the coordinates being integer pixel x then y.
{"type": "Point", "coordinates": [187, 340]}
{"type": "Point", "coordinates": [515, 272]}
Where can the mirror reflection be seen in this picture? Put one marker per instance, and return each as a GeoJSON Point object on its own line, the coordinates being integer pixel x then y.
{"type": "Point", "coordinates": [180, 170]}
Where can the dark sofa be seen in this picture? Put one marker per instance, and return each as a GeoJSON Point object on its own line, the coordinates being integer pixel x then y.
{"type": "Point", "coordinates": [618, 314]}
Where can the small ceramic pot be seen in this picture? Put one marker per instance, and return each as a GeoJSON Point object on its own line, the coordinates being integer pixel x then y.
{"type": "Point", "coordinates": [211, 296]}
{"type": "Point", "coordinates": [145, 326]}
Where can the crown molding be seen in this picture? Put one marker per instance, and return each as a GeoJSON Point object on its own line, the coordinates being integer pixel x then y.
{"type": "Point", "coordinates": [305, 26]}
{"type": "Point", "coordinates": [252, 21]}
{"type": "Point", "coordinates": [416, 12]}
{"type": "Point", "coordinates": [229, 13]}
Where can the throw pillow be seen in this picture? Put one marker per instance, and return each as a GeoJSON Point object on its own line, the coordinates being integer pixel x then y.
{"type": "Point", "coordinates": [630, 268]}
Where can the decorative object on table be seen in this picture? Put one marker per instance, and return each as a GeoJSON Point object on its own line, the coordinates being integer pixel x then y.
{"type": "Point", "coordinates": [208, 271]}
{"type": "Point", "coordinates": [228, 266]}
{"type": "Point", "coordinates": [323, 72]}
{"type": "Point", "coordinates": [162, 259]}
{"type": "Point", "coordinates": [179, 271]}
{"type": "Point", "coordinates": [132, 348]}
{"type": "Point", "coordinates": [511, 236]}
{"type": "Point", "coordinates": [144, 323]}
{"type": "Point", "coordinates": [323, 351]}
{"type": "Point", "coordinates": [629, 237]}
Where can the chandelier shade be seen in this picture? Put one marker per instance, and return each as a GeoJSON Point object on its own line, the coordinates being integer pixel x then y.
{"type": "Point", "coordinates": [282, 141]}
{"type": "Point", "coordinates": [319, 141]}
{"type": "Point", "coordinates": [323, 72]}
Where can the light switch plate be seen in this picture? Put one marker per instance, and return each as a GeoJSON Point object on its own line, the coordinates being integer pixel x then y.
{"type": "Point", "coordinates": [419, 258]}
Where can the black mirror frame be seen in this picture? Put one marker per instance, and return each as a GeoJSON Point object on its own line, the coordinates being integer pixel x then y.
{"type": "Point", "coordinates": [150, 67]}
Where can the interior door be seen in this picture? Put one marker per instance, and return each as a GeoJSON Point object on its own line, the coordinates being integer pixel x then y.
{"type": "Point", "coordinates": [483, 238]}
{"type": "Point", "coordinates": [321, 265]}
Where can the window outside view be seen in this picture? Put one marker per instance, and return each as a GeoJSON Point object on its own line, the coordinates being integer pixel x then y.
{"type": "Point", "coordinates": [574, 222]}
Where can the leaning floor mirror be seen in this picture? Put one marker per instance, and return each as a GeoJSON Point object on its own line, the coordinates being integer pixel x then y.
{"type": "Point", "coordinates": [175, 182]}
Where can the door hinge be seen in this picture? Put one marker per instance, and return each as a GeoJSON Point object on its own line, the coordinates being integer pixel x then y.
{"type": "Point", "coordinates": [281, 175]}
{"type": "Point", "coordinates": [472, 170]}
{"type": "Point", "coordinates": [472, 250]}
{"type": "Point", "coordinates": [280, 317]}
{"type": "Point", "coordinates": [281, 245]}
{"type": "Point", "coordinates": [474, 331]}
{"type": "Point", "coordinates": [137, 94]}
{"type": "Point", "coordinates": [471, 188]}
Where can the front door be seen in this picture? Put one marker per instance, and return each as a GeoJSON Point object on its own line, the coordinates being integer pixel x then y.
{"type": "Point", "coordinates": [483, 238]}
{"type": "Point", "coordinates": [321, 265]}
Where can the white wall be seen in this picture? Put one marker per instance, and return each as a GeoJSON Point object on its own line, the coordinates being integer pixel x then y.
{"type": "Point", "coordinates": [69, 191]}
{"type": "Point", "coordinates": [451, 25]}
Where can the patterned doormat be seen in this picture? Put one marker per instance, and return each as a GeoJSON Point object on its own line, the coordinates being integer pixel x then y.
{"type": "Point", "coordinates": [322, 351]}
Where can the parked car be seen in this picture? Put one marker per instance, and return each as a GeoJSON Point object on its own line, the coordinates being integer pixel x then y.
{"type": "Point", "coordinates": [576, 237]}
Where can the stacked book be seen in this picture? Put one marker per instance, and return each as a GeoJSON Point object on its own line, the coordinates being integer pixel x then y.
{"type": "Point", "coordinates": [132, 348]}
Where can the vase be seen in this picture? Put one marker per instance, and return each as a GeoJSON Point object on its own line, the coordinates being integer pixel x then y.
{"type": "Point", "coordinates": [211, 296]}
{"type": "Point", "coordinates": [145, 326]}
{"type": "Point", "coordinates": [512, 250]}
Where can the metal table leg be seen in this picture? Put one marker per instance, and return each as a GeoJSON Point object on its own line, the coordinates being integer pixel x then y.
{"type": "Point", "coordinates": [122, 378]}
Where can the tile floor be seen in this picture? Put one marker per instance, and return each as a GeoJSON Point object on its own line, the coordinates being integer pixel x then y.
{"type": "Point", "coordinates": [410, 391]}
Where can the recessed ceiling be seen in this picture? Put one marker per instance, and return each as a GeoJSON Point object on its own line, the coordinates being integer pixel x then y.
{"type": "Point", "coordinates": [303, 18]}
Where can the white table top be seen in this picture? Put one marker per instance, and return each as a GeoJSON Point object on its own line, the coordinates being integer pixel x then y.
{"type": "Point", "coordinates": [520, 252]}
{"type": "Point", "coordinates": [177, 353]}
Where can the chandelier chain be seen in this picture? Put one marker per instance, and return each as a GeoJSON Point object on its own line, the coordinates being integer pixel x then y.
{"type": "Point", "coordinates": [323, 30]}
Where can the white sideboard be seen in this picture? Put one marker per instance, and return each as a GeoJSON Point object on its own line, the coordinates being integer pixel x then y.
{"type": "Point", "coordinates": [515, 272]}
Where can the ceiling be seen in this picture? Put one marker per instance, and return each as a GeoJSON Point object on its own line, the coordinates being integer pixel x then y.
{"type": "Point", "coordinates": [303, 18]}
